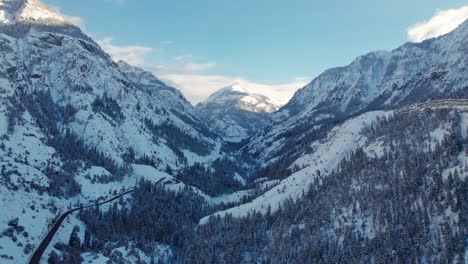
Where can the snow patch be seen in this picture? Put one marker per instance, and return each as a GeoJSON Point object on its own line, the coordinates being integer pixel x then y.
{"type": "Point", "coordinates": [230, 198]}
{"type": "Point", "coordinates": [439, 134]}
{"type": "Point", "coordinates": [464, 124]}
{"type": "Point", "coordinates": [375, 149]}
{"type": "Point", "coordinates": [239, 178]}
{"type": "Point", "coordinates": [149, 173]}
{"type": "Point", "coordinates": [3, 124]}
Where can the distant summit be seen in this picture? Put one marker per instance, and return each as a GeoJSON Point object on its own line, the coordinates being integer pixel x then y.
{"type": "Point", "coordinates": [236, 112]}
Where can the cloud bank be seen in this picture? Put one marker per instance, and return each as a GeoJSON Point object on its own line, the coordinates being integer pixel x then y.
{"type": "Point", "coordinates": [441, 23]}
{"type": "Point", "coordinates": [132, 54]}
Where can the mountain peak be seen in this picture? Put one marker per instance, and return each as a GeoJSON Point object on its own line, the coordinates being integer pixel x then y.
{"type": "Point", "coordinates": [238, 88]}
{"type": "Point", "coordinates": [28, 11]}
{"type": "Point", "coordinates": [243, 98]}
{"type": "Point", "coordinates": [236, 112]}
{"type": "Point", "coordinates": [235, 87]}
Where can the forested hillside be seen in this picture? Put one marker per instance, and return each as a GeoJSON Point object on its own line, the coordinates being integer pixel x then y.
{"type": "Point", "coordinates": [405, 201]}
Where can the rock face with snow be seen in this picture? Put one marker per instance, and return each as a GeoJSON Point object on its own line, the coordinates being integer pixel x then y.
{"type": "Point", "coordinates": [414, 72]}
{"type": "Point", "coordinates": [28, 11]}
{"type": "Point", "coordinates": [116, 108]}
{"type": "Point", "coordinates": [237, 113]}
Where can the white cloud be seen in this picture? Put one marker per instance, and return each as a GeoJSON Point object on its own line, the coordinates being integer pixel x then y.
{"type": "Point", "coordinates": [166, 42]}
{"type": "Point", "coordinates": [132, 54]}
{"type": "Point", "coordinates": [441, 23]}
{"type": "Point", "coordinates": [119, 2]}
{"type": "Point", "coordinates": [186, 76]}
{"type": "Point", "coordinates": [183, 57]}
{"type": "Point", "coordinates": [196, 67]}
{"type": "Point", "coordinates": [75, 20]}
{"type": "Point", "coordinates": [198, 87]}
{"type": "Point", "coordinates": [183, 68]}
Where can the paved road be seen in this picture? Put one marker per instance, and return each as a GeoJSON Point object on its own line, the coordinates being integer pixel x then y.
{"type": "Point", "coordinates": [36, 257]}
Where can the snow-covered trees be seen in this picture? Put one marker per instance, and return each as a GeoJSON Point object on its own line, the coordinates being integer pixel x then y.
{"type": "Point", "coordinates": [75, 241]}
{"type": "Point", "coordinates": [108, 106]}
{"type": "Point", "coordinates": [152, 215]}
{"type": "Point", "coordinates": [177, 138]}
{"type": "Point", "coordinates": [215, 179]}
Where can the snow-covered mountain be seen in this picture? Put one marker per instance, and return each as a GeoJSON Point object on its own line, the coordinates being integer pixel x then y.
{"type": "Point", "coordinates": [374, 117]}
{"type": "Point", "coordinates": [414, 72]}
{"type": "Point", "coordinates": [237, 113]}
{"type": "Point", "coordinates": [75, 125]}
{"type": "Point", "coordinates": [114, 107]}
{"type": "Point", "coordinates": [322, 123]}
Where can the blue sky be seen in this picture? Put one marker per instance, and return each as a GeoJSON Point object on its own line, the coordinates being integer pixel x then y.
{"type": "Point", "coordinates": [282, 44]}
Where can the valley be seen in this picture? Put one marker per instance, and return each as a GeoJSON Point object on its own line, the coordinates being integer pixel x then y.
{"type": "Point", "coordinates": [365, 164]}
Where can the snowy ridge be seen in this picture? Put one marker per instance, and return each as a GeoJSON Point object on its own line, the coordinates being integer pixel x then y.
{"type": "Point", "coordinates": [384, 74]}
{"type": "Point", "coordinates": [28, 11]}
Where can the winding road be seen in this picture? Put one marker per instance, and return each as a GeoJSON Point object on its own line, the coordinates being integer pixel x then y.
{"type": "Point", "coordinates": [36, 257]}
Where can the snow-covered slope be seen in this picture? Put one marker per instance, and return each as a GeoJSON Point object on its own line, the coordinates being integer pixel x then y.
{"type": "Point", "coordinates": [114, 107]}
{"type": "Point", "coordinates": [414, 72]}
{"type": "Point", "coordinates": [75, 125]}
{"type": "Point", "coordinates": [328, 152]}
{"type": "Point", "coordinates": [346, 138]}
{"type": "Point", "coordinates": [237, 113]}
